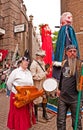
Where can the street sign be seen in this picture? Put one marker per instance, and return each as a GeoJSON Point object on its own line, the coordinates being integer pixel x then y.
{"type": "Point", "coordinates": [2, 31]}
{"type": "Point", "coordinates": [19, 28]}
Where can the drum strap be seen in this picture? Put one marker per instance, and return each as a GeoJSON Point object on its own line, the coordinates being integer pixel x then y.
{"type": "Point", "coordinates": [40, 65]}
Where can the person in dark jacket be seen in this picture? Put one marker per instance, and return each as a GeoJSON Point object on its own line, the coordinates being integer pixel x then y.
{"type": "Point", "coordinates": [67, 90]}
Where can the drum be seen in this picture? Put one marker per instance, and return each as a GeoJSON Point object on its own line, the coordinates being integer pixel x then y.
{"type": "Point", "coordinates": [50, 86]}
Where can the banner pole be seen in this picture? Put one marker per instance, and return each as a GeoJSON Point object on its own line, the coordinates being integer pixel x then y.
{"type": "Point", "coordinates": [79, 99]}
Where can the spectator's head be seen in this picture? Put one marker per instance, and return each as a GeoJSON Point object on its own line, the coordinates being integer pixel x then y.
{"type": "Point", "coordinates": [40, 54]}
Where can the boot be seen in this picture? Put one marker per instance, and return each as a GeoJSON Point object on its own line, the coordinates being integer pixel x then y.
{"type": "Point", "coordinates": [44, 111]}
{"type": "Point", "coordinates": [36, 111]}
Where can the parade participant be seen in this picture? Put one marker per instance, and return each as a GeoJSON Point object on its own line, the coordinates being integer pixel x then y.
{"type": "Point", "coordinates": [20, 118]}
{"type": "Point", "coordinates": [66, 19]}
{"type": "Point", "coordinates": [66, 36]}
{"type": "Point", "coordinates": [46, 39]}
{"type": "Point", "coordinates": [39, 75]}
{"type": "Point", "coordinates": [67, 90]}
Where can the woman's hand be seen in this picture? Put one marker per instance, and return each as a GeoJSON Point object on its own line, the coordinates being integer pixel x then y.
{"type": "Point", "coordinates": [58, 93]}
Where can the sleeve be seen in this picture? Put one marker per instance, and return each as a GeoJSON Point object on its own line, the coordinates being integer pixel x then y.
{"type": "Point", "coordinates": [11, 79]}
{"type": "Point", "coordinates": [32, 83]}
{"type": "Point", "coordinates": [60, 82]}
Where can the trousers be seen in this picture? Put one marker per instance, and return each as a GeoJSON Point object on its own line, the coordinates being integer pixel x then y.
{"type": "Point", "coordinates": [63, 107]}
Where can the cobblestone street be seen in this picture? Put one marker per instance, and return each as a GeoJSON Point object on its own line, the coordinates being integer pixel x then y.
{"type": "Point", "coordinates": [40, 125]}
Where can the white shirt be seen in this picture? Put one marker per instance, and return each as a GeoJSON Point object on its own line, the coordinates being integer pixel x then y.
{"type": "Point", "coordinates": [19, 77]}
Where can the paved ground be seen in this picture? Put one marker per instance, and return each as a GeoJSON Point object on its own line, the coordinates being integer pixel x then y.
{"type": "Point", "coordinates": [40, 125]}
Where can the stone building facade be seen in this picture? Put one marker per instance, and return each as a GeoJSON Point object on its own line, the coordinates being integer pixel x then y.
{"type": "Point", "coordinates": [16, 27]}
{"type": "Point", "coordinates": [76, 8]}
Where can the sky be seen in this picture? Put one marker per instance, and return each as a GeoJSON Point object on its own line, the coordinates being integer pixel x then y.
{"type": "Point", "coordinates": [44, 12]}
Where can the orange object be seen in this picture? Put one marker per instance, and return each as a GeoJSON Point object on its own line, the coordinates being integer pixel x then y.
{"type": "Point", "coordinates": [81, 83]}
{"type": "Point", "coordinates": [22, 89]}
{"type": "Point", "coordinates": [26, 95]}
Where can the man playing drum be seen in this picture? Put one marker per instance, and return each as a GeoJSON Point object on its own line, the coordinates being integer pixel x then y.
{"type": "Point", "coordinates": [39, 75]}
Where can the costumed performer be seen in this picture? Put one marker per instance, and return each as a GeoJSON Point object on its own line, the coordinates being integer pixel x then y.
{"type": "Point", "coordinates": [39, 75]}
{"type": "Point", "coordinates": [46, 39]}
{"type": "Point", "coordinates": [66, 37]}
{"type": "Point", "coordinates": [20, 118]}
{"type": "Point", "coordinates": [67, 90]}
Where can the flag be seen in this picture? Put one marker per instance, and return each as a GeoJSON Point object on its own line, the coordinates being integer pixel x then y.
{"type": "Point", "coordinates": [3, 54]}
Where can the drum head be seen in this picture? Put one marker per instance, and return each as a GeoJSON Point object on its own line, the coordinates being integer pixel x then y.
{"type": "Point", "coordinates": [50, 84]}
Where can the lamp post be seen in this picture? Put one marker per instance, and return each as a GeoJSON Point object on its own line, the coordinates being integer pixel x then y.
{"type": "Point", "coordinates": [30, 26]}
{"type": "Point", "coordinates": [31, 18]}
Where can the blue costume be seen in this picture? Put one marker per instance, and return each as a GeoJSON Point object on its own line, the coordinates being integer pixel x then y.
{"type": "Point", "coordinates": [66, 37]}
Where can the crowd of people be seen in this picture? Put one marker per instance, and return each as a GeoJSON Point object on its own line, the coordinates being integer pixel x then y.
{"type": "Point", "coordinates": [67, 91]}
{"type": "Point", "coordinates": [27, 73]}
{"type": "Point", "coordinates": [4, 73]}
